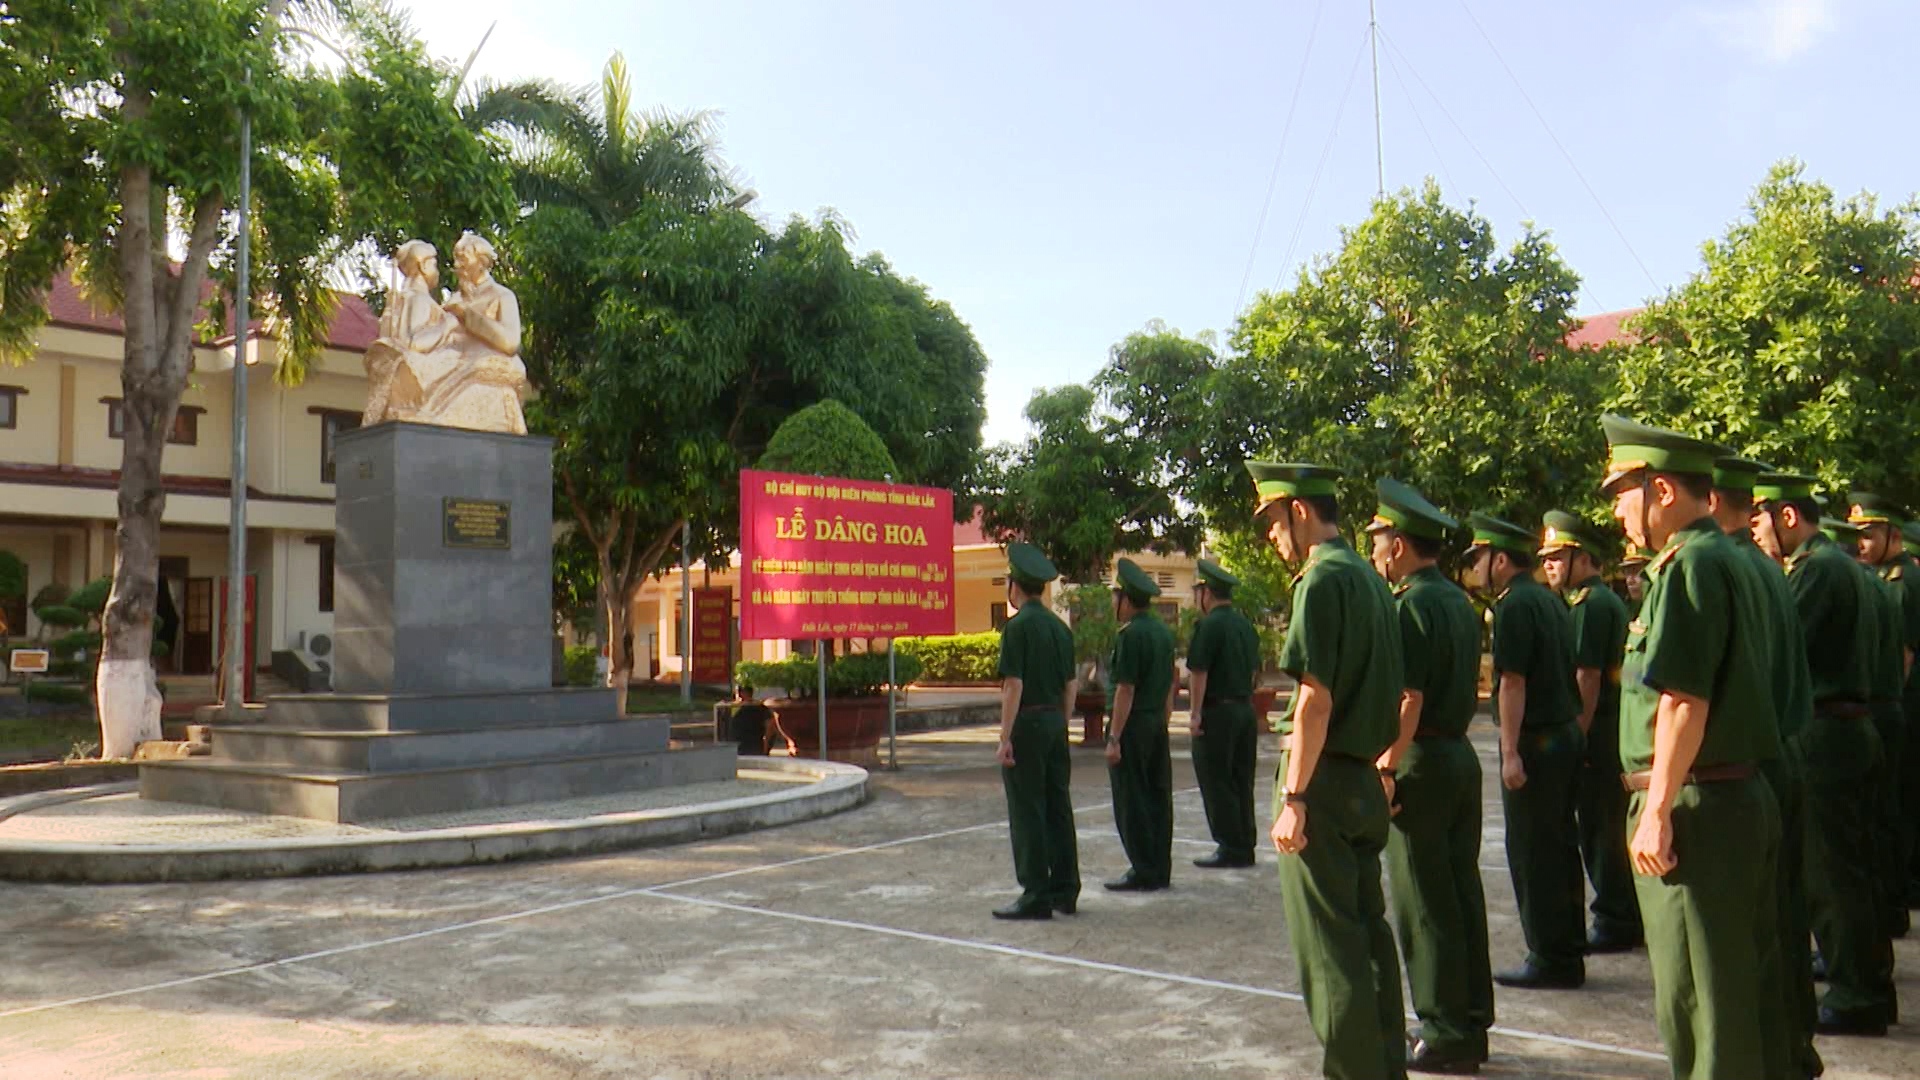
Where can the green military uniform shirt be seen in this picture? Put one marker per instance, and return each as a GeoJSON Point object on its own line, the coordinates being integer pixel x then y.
{"type": "Point", "coordinates": [1902, 575]}
{"type": "Point", "coordinates": [1701, 632]}
{"type": "Point", "coordinates": [1599, 619]}
{"type": "Point", "coordinates": [1226, 647]}
{"type": "Point", "coordinates": [1037, 649]}
{"type": "Point", "coordinates": [1533, 638]}
{"type": "Point", "coordinates": [1343, 636]}
{"type": "Point", "coordinates": [1143, 659]}
{"type": "Point", "coordinates": [1837, 616]}
{"type": "Point", "coordinates": [1439, 651]}
{"type": "Point", "coordinates": [1792, 690]}
{"type": "Point", "coordinates": [1889, 660]}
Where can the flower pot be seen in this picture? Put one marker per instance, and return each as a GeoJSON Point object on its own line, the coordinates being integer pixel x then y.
{"type": "Point", "coordinates": [1091, 707]}
{"type": "Point", "coordinates": [854, 727]}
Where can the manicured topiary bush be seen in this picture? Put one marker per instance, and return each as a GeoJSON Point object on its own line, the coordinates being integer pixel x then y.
{"type": "Point", "coordinates": [828, 439]}
{"type": "Point", "coordinates": [956, 658]}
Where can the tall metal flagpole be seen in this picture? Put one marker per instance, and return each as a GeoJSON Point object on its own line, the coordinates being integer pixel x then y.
{"type": "Point", "coordinates": [1379, 144]}
{"type": "Point", "coordinates": [686, 614]}
{"type": "Point", "coordinates": [234, 668]}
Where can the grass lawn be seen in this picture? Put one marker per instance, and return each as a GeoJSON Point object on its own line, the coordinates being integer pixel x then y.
{"type": "Point", "coordinates": [64, 734]}
{"type": "Point", "coordinates": [666, 699]}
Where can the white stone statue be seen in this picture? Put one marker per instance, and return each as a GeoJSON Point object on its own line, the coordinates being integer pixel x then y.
{"type": "Point", "coordinates": [456, 363]}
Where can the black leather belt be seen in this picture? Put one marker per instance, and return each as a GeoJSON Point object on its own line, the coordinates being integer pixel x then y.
{"type": "Point", "coordinates": [1841, 709]}
{"type": "Point", "coordinates": [1025, 709]}
{"type": "Point", "coordinates": [1705, 774]}
{"type": "Point", "coordinates": [1226, 701]}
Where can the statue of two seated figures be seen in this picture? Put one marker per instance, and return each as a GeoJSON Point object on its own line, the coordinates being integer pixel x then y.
{"type": "Point", "coordinates": [452, 362]}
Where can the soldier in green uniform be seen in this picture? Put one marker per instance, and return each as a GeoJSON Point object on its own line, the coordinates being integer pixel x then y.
{"type": "Point", "coordinates": [1696, 721]}
{"type": "Point", "coordinates": [1910, 532]}
{"type": "Point", "coordinates": [1571, 551]}
{"type": "Point", "coordinates": [1331, 815]}
{"type": "Point", "coordinates": [1883, 550]}
{"type": "Point", "coordinates": [1139, 763]}
{"type": "Point", "coordinates": [1633, 575]}
{"type": "Point", "coordinates": [1840, 751]}
{"type": "Point", "coordinates": [1221, 662]}
{"type": "Point", "coordinates": [1432, 778]}
{"type": "Point", "coordinates": [1732, 503]}
{"type": "Point", "coordinates": [1036, 696]}
{"type": "Point", "coordinates": [1537, 706]}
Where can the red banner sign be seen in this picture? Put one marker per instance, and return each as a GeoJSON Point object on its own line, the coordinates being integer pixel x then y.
{"type": "Point", "coordinates": [843, 558]}
{"type": "Point", "coordinates": [712, 636]}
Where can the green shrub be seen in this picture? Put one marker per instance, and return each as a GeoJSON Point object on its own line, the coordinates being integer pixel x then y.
{"type": "Point", "coordinates": [828, 439]}
{"type": "Point", "coordinates": [855, 675]}
{"type": "Point", "coordinates": [91, 598]}
{"type": "Point", "coordinates": [61, 616]}
{"type": "Point", "coordinates": [582, 664]}
{"type": "Point", "coordinates": [50, 594]}
{"type": "Point", "coordinates": [76, 641]}
{"type": "Point", "coordinates": [958, 658]}
{"type": "Point", "coordinates": [56, 693]}
{"type": "Point", "coordinates": [13, 576]}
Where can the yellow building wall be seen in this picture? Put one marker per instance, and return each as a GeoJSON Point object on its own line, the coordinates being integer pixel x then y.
{"type": "Point", "coordinates": [35, 438]}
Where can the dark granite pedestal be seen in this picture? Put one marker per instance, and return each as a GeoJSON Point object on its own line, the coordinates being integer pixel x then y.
{"type": "Point", "coordinates": [443, 569]}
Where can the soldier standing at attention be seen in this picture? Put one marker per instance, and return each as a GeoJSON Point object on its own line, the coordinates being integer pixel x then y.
{"type": "Point", "coordinates": [1036, 696]}
{"type": "Point", "coordinates": [1537, 706]}
{"type": "Point", "coordinates": [1139, 762]}
{"type": "Point", "coordinates": [1732, 503]}
{"type": "Point", "coordinates": [1571, 551]}
{"type": "Point", "coordinates": [1882, 551]}
{"type": "Point", "coordinates": [1696, 721]}
{"type": "Point", "coordinates": [1633, 574]}
{"type": "Point", "coordinates": [1841, 754]}
{"type": "Point", "coordinates": [1331, 816]}
{"type": "Point", "coordinates": [1221, 663]}
{"type": "Point", "coordinates": [1432, 778]}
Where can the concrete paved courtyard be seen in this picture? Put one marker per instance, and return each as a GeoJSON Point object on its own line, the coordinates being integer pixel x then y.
{"type": "Point", "coordinates": [857, 945]}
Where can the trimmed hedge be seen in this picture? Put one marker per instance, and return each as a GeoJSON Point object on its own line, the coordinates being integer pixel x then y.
{"type": "Point", "coordinates": [853, 675]}
{"type": "Point", "coordinates": [56, 693]}
{"type": "Point", "coordinates": [960, 658]}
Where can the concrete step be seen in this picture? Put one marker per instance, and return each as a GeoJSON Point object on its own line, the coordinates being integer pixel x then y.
{"type": "Point", "coordinates": [439, 712]}
{"type": "Point", "coordinates": [330, 795]}
{"type": "Point", "coordinates": [393, 751]}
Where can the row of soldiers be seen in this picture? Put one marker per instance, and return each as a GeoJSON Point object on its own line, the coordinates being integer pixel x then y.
{"type": "Point", "coordinates": [1728, 766]}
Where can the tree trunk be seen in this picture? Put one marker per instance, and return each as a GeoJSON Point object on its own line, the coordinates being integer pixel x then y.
{"type": "Point", "coordinates": [615, 615]}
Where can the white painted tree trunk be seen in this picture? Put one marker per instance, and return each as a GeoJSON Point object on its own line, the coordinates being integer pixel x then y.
{"type": "Point", "coordinates": [129, 706]}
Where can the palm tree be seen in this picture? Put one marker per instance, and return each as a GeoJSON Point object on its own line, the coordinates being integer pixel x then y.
{"type": "Point", "coordinates": [606, 161]}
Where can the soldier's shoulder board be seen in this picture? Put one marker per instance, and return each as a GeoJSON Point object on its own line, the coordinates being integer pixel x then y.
{"type": "Point", "coordinates": [1578, 598]}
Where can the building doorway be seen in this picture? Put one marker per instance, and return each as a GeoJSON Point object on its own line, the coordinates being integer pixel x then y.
{"type": "Point", "coordinates": [196, 633]}
{"type": "Point", "coordinates": [173, 582]}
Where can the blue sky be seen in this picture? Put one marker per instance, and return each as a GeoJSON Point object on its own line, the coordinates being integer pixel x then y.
{"type": "Point", "coordinates": [1064, 172]}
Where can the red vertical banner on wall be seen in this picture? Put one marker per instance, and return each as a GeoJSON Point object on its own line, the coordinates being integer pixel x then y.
{"type": "Point", "coordinates": [825, 558]}
{"type": "Point", "coordinates": [712, 635]}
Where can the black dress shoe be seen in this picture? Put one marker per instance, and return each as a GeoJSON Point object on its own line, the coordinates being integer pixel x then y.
{"type": "Point", "coordinates": [1424, 1057]}
{"type": "Point", "coordinates": [1599, 943]}
{"type": "Point", "coordinates": [1867, 1023]}
{"type": "Point", "coordinates": [1024, 909]}
{"type": "Point", "coordinates": [1222, 861]}
{"type": "Point", "coordinates": [1066, 907]}
{"type": "Point", "coordinates": [1529, 977]}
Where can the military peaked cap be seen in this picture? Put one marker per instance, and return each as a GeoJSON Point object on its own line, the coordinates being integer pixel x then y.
{"type": "Point", "coordinates": [1780, 486]}
{"type": "Point", "coordinates": [1865, 508]}
{"type": "Point", "coordinates": [1841, 529]}
{"type": "Point", "coordinates": [1029, 566]}
{"type": "Point", "coordinates": [1635, 446]}
{"type": "Point", "coordinates": [1738, 473]}
{"type": "Point", "coordinates": [1490, 531]}
{"type": "Point", "coordinates": [1217, 580]}
{"type": "Point", "coordinates": [1562, 530]}
{"type": "Point", "coordinates": [1135, 582]}
{"type": "Point", "coordinates": [1405, 509]}
{"type": "Point", "coordinates": [1273, 481]}
{"type": "Point", "coordinates": [1635, 556]}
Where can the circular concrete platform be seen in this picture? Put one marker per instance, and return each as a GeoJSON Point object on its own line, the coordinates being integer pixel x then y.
{"type": "Point", "coordinates": [109, 834]}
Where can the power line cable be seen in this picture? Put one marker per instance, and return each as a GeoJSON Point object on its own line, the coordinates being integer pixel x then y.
{"type": "Point", "coordinates": [1461, 131]}
{"type": "Point", "coordinates": [1325, 151]}
{"type": "Point", "coordinates": [1414, 108]}
{"type": "Point", "coordinates": [1273, 177]}
{"type": "Point", "coordinates": [1575, 166]}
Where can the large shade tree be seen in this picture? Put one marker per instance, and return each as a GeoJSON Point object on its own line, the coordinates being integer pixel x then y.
{"type": "Point", "coordinates": [121, 123]}
{"type": "Point", "coordinates": [1798, 340]}
{"type": "Point", "coordinates": [1422, 350]}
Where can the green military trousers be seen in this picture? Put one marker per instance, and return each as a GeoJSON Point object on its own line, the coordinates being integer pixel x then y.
{"type": "Point", "coordinates": [1713, 935]}
{"type": "Point", "coordinates": [1890, 831]}
{"type": "Point", "coordinates": [1337, 920]}
{"type": "Point", "coordinates": [1601, 809]}
{"type": "Point", "coordinates": [1046, 855]}
{"type": "Point", "coordinates": [1800, 1005]}
{"type": "Point", "coordinates": [1143, 797]}
{"type": "Point", "coordinates": [1223, 762]}
{"type": "Point", "coordinates": [1434, 855]}
{"type": "Point", "coordinates": [1910, 795]}
{"type": "Point", "coordinates": [1543, 850]}
{"type": "Point", "coordinates": [1842, 757]}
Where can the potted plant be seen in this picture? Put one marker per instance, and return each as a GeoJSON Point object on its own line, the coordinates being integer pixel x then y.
{"type": "Point", "coordinates": [1090, 613]}
{"type": "Point", "coordinates": [856, 701]}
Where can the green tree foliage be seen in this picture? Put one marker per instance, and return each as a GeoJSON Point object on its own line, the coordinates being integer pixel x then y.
{"type": "Point", "coordinates": [827, 439]}
{"type": "Point", "coordinates": [1422, 351]}
{"type": "Point", "coordinates": [120, 119]}
{"type": "Point", "coordinates": [13, 576]}
{"type": "Point", "coordinates": [1797, 341]}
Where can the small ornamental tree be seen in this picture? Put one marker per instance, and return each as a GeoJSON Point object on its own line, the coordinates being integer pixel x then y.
{"type": "Point", "coordinates": [13, 586]}
{"type": "Point", "coordinates": [828, 439]}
